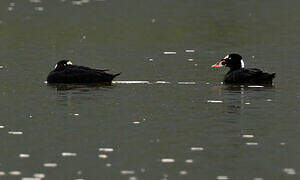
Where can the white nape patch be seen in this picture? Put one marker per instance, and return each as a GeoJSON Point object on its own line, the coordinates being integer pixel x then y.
{"type": "Point", "coordinates": [55, 66]}
{"type": "Point", "coordinates": [242, 64]}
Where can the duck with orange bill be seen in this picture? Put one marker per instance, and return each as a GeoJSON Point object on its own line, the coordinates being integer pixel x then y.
{"type": "Point", "coordinates": [239, 74]}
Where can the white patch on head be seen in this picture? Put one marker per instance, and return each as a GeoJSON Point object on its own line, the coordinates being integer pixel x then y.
{"type": "Point", "coordinates": [55, 66]}
{"type": "Point", "coordinates": [226, 57]}
{"type": "Point", "coordinates": [242, 64]}
{"type": "Point", "coordinates": [69, 63]}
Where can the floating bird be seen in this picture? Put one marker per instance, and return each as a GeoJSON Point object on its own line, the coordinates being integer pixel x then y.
{"type": "Point", "coordinates": [67, 73]}
{"type": "Point", "coordinates": [238, 74]}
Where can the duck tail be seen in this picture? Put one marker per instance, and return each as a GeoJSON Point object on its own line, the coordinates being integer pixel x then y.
{"type": "Point", "coordinates": [273, 75]}
{"type": "Point", "coordinates": [115, 75]}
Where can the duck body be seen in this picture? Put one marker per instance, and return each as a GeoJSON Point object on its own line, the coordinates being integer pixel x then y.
{"type": "Point", "coordinates": [67, 73]}
{"type": "Point", "coordinates": [248, 76]}
{"type": "Point", "coordinates": [238, 74]}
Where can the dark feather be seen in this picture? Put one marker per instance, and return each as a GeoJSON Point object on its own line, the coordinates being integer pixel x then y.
{"type": "Point", "coordinates": [80, 74]}
{"type": "Point", "coordinates": [249, 76]}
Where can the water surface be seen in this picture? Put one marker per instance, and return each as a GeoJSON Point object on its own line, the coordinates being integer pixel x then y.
{"type": "Point", "coordinates": [182, 123]}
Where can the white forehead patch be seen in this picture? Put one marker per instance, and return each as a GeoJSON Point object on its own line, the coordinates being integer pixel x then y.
{"type": "Point", "coordinates": [69, 63]}
{"type": "Point", "coordinates": [242, 64]}
{"type": "Point", "coordinates": [55, 66]}
{"type": "Point", "coordinates": [226, 57]}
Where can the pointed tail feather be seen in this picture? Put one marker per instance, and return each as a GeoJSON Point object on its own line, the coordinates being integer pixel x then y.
{"type": "Point", "coordinates": [273, 75]}
{"type": "Point", "coordinates": [115, 75]}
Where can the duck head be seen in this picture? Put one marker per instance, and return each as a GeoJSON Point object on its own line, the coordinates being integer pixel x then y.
{"type": "Point", "coordinates": [61, 65]}
{"type": "Point", "coordinates": [233, 61]}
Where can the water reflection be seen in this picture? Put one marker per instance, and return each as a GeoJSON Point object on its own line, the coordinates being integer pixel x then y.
{"type": "Point", "coordinates": [239, 97]}
{"type": "Point", "coordinates": [67, 93]}
{"type": "Point", "coordinates": [81, 87]}
{"type": "Point", "coordinates": [243, 88]}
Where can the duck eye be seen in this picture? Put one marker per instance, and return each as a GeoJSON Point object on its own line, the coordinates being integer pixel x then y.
{"type": "Point", "coordinates": [223, 63]}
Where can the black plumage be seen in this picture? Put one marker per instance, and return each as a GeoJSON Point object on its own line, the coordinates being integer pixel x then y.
{"type": "Point", "coordinates": [238, 74]}
{"type": "Point", "coordinates": [65, 72]}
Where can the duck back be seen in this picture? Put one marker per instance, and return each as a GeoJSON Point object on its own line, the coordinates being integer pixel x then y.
{"type": "Point", "coordinates": [80, 74]}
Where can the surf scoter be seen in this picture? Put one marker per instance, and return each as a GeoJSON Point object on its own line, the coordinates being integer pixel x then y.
{"type": "Point", "coordinates": [238, 74]}
{"type": "Point", "coordinates": [65, 72]}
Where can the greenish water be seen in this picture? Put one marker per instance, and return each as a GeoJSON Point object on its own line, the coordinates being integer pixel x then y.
{"type": "Point", "coordinates": [203, 129]}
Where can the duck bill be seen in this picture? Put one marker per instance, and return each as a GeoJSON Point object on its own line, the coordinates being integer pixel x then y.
{"type": "Point", "coordinates": [218, 64]}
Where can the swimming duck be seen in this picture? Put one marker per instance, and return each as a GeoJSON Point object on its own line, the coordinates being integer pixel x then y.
{"type": "Point", "coordinates": [67, 73]}
{"type": "Point", "coordinates": [238, 74]}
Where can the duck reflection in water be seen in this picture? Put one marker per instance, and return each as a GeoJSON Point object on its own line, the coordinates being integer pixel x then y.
{"type": "Point", "coordinates": [80, 87]}
{"type": "Point", "coordinates": [236, 98]}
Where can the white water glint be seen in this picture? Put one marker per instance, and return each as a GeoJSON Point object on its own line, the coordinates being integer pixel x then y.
{"type": "Point", "coordinates": [131, 82]}
{"type": "Point", "coordinates": [126, 172]}
{"type": "Point", "coordinates": [65, 154]}
{"type": "Point", "coordinates": [15, 132]}
{"type": "Point", "coordinates": [189, 161]}
{"type": "Point", "coordinates": [39, 175]}
{"type": "Point", "coordinates": [197, 148]}
{"type": "Point", "coordinates": [169, 52]}
{"type": "Point", "coordinates": [50, 165]}
{"type": "Point", "coordinates": [255, 86]}
{"type": "Point", "coordinates": [106, 149]}
{"type": "Point", "coordinates": [24, 155]}
{"type": "Point", "coordinates": [251, 143]}
{"type": "Point", "coordinates": [222, 178]}
{"type": "Point", "coordinates": [189, 50]}
{"type": "Point", "coordinates": [30, 178]}
{"type": "Point", "coordinates": [35, 1]}
{"type": "Point", "coordinates": [102, 156]}
{"type": "Point", "coordinates": [186, 83]}
{"type": "Point", "coordinates": [248, 136]}
{"type": "Point", "coordinates": [162, 82]}
{"type": "Point", "coordinates": [39, 8]}
{"type": "Point", "coordinates": [214, 101]}
{"type": "Point", "coordinates": [182, 172]}
{"type": "Point", "coordinates": [167, 160]}
{"type": "Point", "coordinates": [289, 171]}
{"type": "Point", "coordinates": [15, 173]}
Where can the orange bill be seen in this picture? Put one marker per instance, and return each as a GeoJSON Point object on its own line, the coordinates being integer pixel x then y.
{"type": "Point", "coordinates": [218, 64]}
